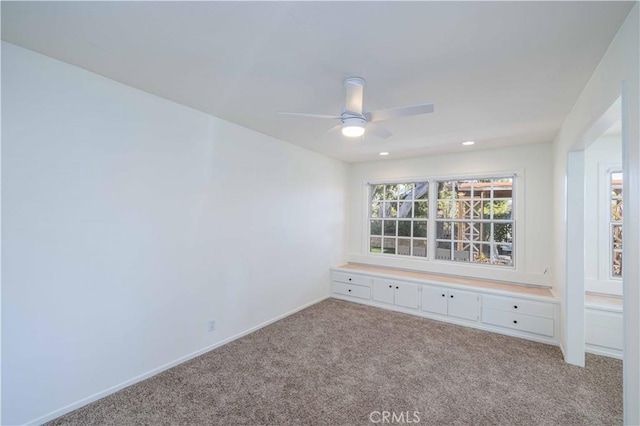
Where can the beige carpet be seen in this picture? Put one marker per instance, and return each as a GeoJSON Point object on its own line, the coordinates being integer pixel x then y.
{"type": "Point", "coordinates": [337, 362]}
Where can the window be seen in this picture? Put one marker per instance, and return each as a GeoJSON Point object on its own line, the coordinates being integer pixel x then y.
{"type": "Point", "coordinates": [615, 223]}
{"type": "Point", "coordinates": [398, 216]}
{"type": "Point", "coordinates": [475, 221]}
{"type": "Point", "coordinates": [471, 220]}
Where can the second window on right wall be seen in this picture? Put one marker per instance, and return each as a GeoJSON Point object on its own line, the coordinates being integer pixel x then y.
{"type": "Point", "coordinates": [615, 223]}
{"type": "Point", "coordinates": [474, 221]}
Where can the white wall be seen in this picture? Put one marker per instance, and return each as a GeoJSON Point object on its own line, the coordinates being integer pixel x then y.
{"type": "Point", "coordinates": [532, 163]}
{"type": "Point", "coordinates": [129, 221]}
{"type": "Point", "coordinates": [617, 69]}
{"type": "Point", "coordinates": [604, 153]}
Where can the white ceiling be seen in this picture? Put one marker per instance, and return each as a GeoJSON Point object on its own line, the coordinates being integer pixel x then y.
{"type": "Point", "coordinates": [500, 73]}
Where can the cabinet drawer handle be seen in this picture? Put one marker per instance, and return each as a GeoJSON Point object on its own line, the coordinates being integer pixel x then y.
{"type": "Point", "coordinates": [444, 295]}
{"type": "Point", "coordinates": [515, 306]}
{"type": "Point", "coordinates": [349, 290]}
{"type": "Point", "coordinates": [349, 279]}
{"type": "Point", "coordinates": [451, 296]}
{"type": "Point", "coordinates": [396, 287]}
{"type": "Point", "coordinates": [390, 286]}
{"type": "Point", "coordinates": [515, 322]}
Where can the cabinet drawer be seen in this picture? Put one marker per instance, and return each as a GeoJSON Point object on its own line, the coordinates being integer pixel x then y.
{"type": "Point", "coordinates": [518, 321]}
{"type": "Point", "coordinates": [521, 306]}
{"type": "Point", "coordinates": [350, 278]}
{"type": "Point", "coordinates": [352, 290]}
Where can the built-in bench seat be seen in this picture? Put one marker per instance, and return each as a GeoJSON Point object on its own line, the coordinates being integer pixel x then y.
{"type": "Point", "coordinates": [449, 280]}
{"type": "Point", "coordinates": [524, 311]}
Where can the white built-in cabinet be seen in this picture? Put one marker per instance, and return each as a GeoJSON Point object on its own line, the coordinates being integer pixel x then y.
{"type": "Point", "coordinates": [513, 313]}
{"type": "Point", "coordinates": [396, 293]}
{"type": "Point", "coordinates": [453, 303]}
{"type": "Point", "coordinates": [351, 285]}
{"type": "Point", "coordinates": [523, 315]}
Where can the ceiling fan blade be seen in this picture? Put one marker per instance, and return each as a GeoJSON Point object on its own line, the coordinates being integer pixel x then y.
{"type": "Point", "coordinates": [302, 114]}
{"type": "Point", "coordinates": [378, 131]}
{"type": "Point", "coordinates": [331, 130]}
{"type": "Point", "coordinates": [388, 114]}
{"type": "Point", "coordinates": [355, 93]}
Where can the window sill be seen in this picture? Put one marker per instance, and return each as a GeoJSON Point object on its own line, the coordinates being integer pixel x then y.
{"type": "Point", "coordinates": [506, 274]}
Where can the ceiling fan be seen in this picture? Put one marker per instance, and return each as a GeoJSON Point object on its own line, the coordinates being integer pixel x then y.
{"type": "Point", "coordinates": [354, 119]}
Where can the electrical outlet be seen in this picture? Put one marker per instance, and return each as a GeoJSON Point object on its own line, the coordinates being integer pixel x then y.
{"type": "Point", "coordinates": [212, 325]}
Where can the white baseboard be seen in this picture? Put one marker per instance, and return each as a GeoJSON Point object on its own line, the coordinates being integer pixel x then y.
{"type": "Point", "coordinates": [449, 320]}
{"type": "Point", "coordinates": [599, 350]}
{"type": "Point", "coordinates": [84, 401]}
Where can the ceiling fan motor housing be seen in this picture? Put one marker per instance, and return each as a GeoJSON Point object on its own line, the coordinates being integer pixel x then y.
{"type": "Point", "coordinates": [353, 121]}
{"type": "Point", "coordinates": [354, 80]}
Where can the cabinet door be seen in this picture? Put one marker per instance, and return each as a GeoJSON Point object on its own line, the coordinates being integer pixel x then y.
{"type": "Point", "coordinates": [383, 291]}
{"type": "Point", "coordinates": [463, 304]}
{"type": "Point", "coordinates": [434, 300]}
{"type": "Point", "coordinates": [406, 295]}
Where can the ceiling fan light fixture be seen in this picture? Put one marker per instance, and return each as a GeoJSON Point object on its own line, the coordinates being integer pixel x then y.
{"type": "Point", "coordinates": [355, 121]}
{"type": "Point", "coordinates": [353, 127]}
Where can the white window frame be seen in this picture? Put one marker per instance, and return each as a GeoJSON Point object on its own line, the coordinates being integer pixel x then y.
{"type": "Point", "coordinates": [518, 219]}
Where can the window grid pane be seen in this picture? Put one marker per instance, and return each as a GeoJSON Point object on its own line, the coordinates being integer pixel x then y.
{"type": "Point", "coordinates": [475, 221]}
{"type": "Point", "coordinates": [398, 215]}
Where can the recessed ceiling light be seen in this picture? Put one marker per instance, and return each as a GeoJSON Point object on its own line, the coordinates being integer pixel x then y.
{"type": "Point", "coordinates": [383, 153]}
{"type": "Point", "coordinates": [467, 143]}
